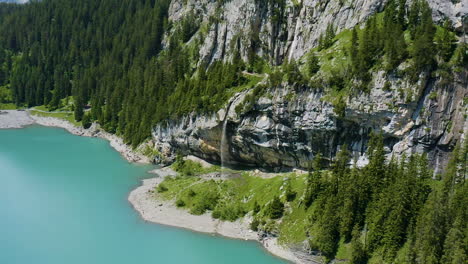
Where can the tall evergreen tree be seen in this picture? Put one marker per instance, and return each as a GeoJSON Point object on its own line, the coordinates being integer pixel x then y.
{"type": "Point", "coordinates": [423, 44]}
{"type": "Point", "coordinates": [354, 50]}
{"type": "Point", "coordinates": [312, 64]}
{"type": "Point", "coordinates": [446, 42]}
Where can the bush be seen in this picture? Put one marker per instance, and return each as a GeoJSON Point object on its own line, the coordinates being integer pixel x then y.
{"type": "Point", "coordinates": [254, 225]}
{"type": "Point", "coordinates": [340, 107]}
{"type": "Point", "coordinates": [191, 193]}
{"type": "Point", "coordinates": [86, 121]}
{"type": "Point", "coordinates": [387, 86]}
{"type": "Point", "coordinates": [256, 208]}
{"type": "Point", "coordinates": [290, 195]}
{"type": "Point", "coordinates": [275, 209]}
{"type": "Point", "coordinates": [189, 168]}
{"type": "Point", "coordinates": [275, 78]}
{"type": "Point", "coordinates": [216, 214]}
{"type": "Point", "coordinates": [198, 209]}
{"type": "Point", "coordinates": [180, 203]}
{"type": "Point", "coordinates": [161, 188]}
{"type": "Point", "coordinates": [206, 201]}
{"type": "Point", "coordinates": [229, 212]}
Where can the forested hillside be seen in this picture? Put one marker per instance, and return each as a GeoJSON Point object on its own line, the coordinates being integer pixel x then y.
{"type": "Point", "coordinates": [101, 52]}
{"type": "Point", "coordinates": [109, 55]}
{"type": "Point", "coordinates": [382, 213]}
{"type": "Point", "coordinates": [367, 95]}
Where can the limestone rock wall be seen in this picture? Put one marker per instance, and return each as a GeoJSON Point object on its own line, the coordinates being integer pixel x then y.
{"type": "Point", "coordinates": [280, 132]}
{"type": "Point", "coordinates": [286, 32]}
{"type": "Point", "coordinates": [288, 126]}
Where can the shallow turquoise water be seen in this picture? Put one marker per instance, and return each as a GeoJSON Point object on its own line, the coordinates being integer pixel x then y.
{"type": "Point", "coordinates": [63, 199]}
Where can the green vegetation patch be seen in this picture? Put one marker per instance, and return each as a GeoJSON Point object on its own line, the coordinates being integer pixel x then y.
{"type": "Point", "coordinates": [67, 116]}
{"type": "Point", "coordinates": [268, 199]}
{"type": "Point", "coordinates": [381, 213]}
{"type": "Point", "coordinates": [192, 168]}
{"type": "Point", "coordinates": [8, 106]}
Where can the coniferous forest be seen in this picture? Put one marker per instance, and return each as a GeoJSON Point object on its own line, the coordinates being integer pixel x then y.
{"type": "Point", "coordinates": [111, 55]}
{"type": "Point", "coordinates": [107, 54]}
{"type": "Point", "coordinates": [126, 66]}
{"type": "Point", "coordinates": [384, 212]}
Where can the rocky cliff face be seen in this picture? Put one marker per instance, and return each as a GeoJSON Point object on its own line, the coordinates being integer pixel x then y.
{"type": "Point", "coordinates": [287, 126]}
{"type": "Point", "coordinates": [286, 31]}
{"type": "Point", "coordinates": [271, 29]}
{"type": "Point", "coordinates": [284, 131]}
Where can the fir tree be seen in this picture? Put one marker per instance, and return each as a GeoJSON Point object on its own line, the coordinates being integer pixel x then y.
{"type": "Point", "coordinates": [423, 44]}
{"type": "Point", "coordinates": [314, 181]}
{"type": "Point", "coordinates": [358, 252]}
{"type": "Point", "coordinates": [354, 50]}
{"type": "Point", "coordinates": [446, 42]}
{"type": "Point", "coordinates": [79, 105]}
{"type": "Point", "coordinates": [312, 64]}
{"type": "Point", "coordinates": [276, 208]}
{"type": "Point", "coordinates": [414, 17]}
{"type": "Point", "coordinates": [402, 14]}
{"type": "Point", "coordinates": [326, 40]}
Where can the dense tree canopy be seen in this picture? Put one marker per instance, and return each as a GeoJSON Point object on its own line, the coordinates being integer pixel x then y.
{"type": "Point", "coordinates": [108, 55]}
{"type": "Point", "coordinates": [390, 210]}
{"type": "Point", "coordinates": [134, 68]}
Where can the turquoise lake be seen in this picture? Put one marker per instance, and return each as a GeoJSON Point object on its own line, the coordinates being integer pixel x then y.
{"type": "Point", "coordinates": [63, 200]}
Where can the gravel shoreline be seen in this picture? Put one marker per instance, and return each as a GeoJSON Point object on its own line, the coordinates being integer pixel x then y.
{"type": "Point", "coordinates": [166, 213]}
{"type": "Point", "coordinates": [14, 119]}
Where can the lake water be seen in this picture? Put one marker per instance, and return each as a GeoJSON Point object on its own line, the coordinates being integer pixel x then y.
{"type": "Point", "coordinates": [63, 200]}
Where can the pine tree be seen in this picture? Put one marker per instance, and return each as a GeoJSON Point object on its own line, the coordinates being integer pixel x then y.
{"type": "Point", "coordinates": [423, 44]}
{"type": "Point", "coordinates": [414, 18]}
{"type": "Point", "coordinates": [330, 35]}
{"type": "Point", "coordinates": [431, 230]}
{"type": "Point", "coordinates": [326, 239]}
{"type": "Point", "coordinates": [79, 105]}
{"type": "Point", "coordinates": [394, 44]}
{"type": "Point", "coordinates": [293, 73]}
{"type": "Point", "coordinates": [312, 64]}
{"type": "Point", "coordinates": [326, 40]}
{"type": "Point", "coordinates": [321, 42]}
{"type": "Point", "coordinates": [375, 37]}
{"type": "Point", "coordinates": [402, 14]}
{"type": "Point", "coordinates": [313, 188]}
{"type": "Point", "coordinates": [276, 208]}
{"type": "Point", "coordinates": [358, 252]}
{"type": "Point", "coordinates": [354, 50]}
{"type": "Point", "coordinates": [376, 170]}
{"type": "Point", "coordinates": [340, 168]}
{"type": "Point", "coordinates": [446, 42]}
{"type": "Point", "coordinates": [455, 248]}
{"type": "Point", "coordinates": [86, 121]}
{"type": "Point", "coordinates": [460, 57]}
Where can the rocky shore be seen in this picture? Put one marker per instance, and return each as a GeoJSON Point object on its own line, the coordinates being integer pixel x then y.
{"type": "Point", "coordinates": [14, 119]}
{"type": "Point", "coordinates": [163, 212]}
{"type": "Point", "coordinates": [94, 131]}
